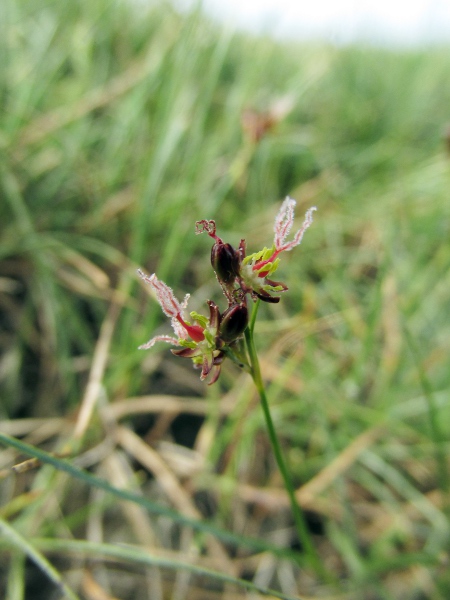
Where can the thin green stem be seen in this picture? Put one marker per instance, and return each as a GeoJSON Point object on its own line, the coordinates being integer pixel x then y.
{"type": "Point", "coordinates": [251, 325]}
{"type": "Point", "coordinates": [299, 519]}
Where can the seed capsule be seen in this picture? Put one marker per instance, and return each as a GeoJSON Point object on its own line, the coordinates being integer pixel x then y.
{"type": "Point", "coordinates": [225, 262]}
{"type": "Point", "coordinates": [233, 322]}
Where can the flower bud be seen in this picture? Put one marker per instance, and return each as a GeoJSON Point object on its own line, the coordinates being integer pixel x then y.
{"type": "Point", "coordinates": [225, 262]}
{"type": "Point", "coordinates": [233, 322]}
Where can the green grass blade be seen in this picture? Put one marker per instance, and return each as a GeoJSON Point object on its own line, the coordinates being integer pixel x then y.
{"type": "Point", "coordinates": [20, 543]}
{"type": "Point", "coordinates": [92, 480]}
{"type": "Point", "coordinates": [138, 555]}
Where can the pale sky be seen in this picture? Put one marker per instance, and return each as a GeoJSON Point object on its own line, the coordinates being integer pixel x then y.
{"type": "Point", "coordinates": [395, 21]}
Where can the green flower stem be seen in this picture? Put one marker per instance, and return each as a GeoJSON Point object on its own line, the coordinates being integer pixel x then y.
{"type": "Point", "coordinates": [299, 519]}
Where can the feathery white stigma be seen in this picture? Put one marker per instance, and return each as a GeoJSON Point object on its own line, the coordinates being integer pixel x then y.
{"type": "Point", "coordinates": [283, 225]}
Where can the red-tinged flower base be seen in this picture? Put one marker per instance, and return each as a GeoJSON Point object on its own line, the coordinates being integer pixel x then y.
{"type": "Point", "coordinates": [195, 332]}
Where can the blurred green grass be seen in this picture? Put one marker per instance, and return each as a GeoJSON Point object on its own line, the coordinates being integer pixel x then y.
{"type": "Point", "coordinates": [120, 126]}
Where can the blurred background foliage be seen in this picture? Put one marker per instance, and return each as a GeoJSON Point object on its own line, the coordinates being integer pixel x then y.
{"type": "Point", "coordinates": [123, 123]}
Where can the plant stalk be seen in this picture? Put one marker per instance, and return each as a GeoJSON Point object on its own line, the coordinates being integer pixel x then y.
{"type": "Point", "coordinates": [299, 519]}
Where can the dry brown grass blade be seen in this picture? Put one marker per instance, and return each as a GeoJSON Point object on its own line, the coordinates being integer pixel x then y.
{"type": "Point", "coordinates": [159, 403]}
{"type": "Point", "coordinates": [22, 427]}
{"type": "Point", "coordinates": [151, 460]}
{"type": "Point", "coordinates": [308, 495]}
{"type": "Point", "coordinates": [98, 367]}
{"type": "Point", "coordinates": [120, 475]}
{"type": "Point", "coordinates": [343, 461]}
{"type": "Point", "coordinates": [273, 499]}
{"type": "Point", "coordinates": [86, 267]}
{"type": "Point", "coordinates": [135, 514]}
{"type": "Point", "coordinates": [390, 321]}
{"type": "Point", "coordinates": [93, 590]}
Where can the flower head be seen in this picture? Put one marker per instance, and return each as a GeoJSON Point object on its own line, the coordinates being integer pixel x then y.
{"type": "Point", "coordinates": [225, 260]}
{"type": "Point", "coordinates": [208, 340]}
{"type": "Point", "coordinates": [204, 341]}
{"type": "Point", "coordinates": [174, 309]}
{"type": "Point", "coordinates": [238, 274]}
{"type": "Point", "coordinates": [258, 267]}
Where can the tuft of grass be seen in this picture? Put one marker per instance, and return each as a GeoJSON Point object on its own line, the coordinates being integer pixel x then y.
{"type": "Point", "coordinates": [120, 126]}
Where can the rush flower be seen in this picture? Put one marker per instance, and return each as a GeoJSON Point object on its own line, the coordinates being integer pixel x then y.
{"type": "Point", "coordinates": [225, 260]}
{"type": "Point", "coordinates": [205, 341]}
{"type": "Point", "coordinates": [258, 267]}
{"type": "Point", "coordinates": [175, 310]}
{"type": "Point", "coordinates": [239, 274]}
{"type": "Point", "coordinates": [209, 340]}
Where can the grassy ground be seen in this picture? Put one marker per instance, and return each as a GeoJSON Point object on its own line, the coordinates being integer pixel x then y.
{"type": "Point", "coordinates": [120, 127]}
